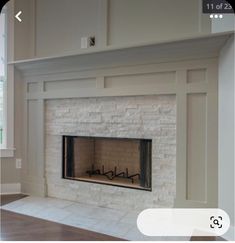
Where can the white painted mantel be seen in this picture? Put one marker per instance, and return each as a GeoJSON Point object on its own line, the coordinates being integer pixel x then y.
{"type": "Point", "coordinates": [185, 68]}
{"type": "Point", "coordinates": [200, 47]}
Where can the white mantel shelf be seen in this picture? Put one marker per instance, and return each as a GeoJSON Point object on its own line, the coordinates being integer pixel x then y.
{"type": "Point", "coordinates": [205, 46]}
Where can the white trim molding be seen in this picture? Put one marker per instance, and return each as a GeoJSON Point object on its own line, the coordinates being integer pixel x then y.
{"type": "Point", "coordinates": [11, 188]}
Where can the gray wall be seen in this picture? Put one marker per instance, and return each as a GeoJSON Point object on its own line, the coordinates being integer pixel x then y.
{"type": "Point", "coordinates": [136, 21]}
{"type": "Point", "coordinates": [226, 130]}
{"type": "Point", "coordinates": [24, 31]}
{"type": "Point", "coordinates": [9, 173]}
{"type": "Point", "coordinates": [60, 24]}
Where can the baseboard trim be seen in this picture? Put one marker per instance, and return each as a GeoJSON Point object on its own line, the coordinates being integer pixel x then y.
{"type": "Point", "coordinates": [10, 188]}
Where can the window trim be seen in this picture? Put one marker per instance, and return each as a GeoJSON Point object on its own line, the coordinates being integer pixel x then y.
{"type": "Point", "coordinates": [7, 150]}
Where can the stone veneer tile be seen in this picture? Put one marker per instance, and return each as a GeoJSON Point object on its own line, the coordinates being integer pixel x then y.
{"type": "Point", "coordinates": [151, 117]}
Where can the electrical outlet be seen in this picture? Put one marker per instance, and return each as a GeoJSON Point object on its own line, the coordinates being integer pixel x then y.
{"type": "Point", "coordinates": [87, 42]}
{"type": "Point", "coordinates": [18, 163]}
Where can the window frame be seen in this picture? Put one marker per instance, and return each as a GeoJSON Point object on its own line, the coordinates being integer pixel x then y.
{"type": "Point", "coordinates": [7, 147]}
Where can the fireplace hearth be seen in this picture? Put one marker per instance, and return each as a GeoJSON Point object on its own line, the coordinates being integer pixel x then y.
{"type": "Point", "coordinates": [124, 162]}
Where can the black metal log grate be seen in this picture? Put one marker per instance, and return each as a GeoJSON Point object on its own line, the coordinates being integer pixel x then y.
{"type": "Point", "coordinates": [112, 174]}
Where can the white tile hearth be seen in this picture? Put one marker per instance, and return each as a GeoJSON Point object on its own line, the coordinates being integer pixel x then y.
{"type": "Point", "coordinates": [104, 220]}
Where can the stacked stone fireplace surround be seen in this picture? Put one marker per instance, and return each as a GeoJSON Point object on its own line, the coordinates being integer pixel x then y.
{"type": "Point", "coordinates": [148, 117]}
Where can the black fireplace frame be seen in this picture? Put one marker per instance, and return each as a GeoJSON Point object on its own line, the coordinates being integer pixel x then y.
{"type": "Point", "coordinates": [149, 188]}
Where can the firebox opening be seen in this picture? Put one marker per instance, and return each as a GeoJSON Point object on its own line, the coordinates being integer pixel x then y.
{"type": "Point", "coordinates": [124, 162]}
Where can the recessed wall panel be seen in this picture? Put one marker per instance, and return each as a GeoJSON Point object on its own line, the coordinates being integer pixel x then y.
{"type": "Point", "coordinates": [196, 147]}
{"type": "Point", "coordinates": [196, 76]}
{"type": "Point", "coordinates": [32, 137]}
{"type": "Point", "coordinates": [70, 84]}
{"type": "Point", "coordinates": [141, 79]}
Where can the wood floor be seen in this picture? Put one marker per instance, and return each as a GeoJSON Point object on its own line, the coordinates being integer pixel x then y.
{"type": "Point", "coordinates": [18, 227]}
{"type": "Point", "coordinates": [5, 199]}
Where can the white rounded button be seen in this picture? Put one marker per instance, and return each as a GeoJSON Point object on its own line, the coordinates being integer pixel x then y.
{"type": "Point", "coordinates": [183, 222]}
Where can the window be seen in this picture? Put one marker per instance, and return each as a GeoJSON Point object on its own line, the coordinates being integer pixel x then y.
{"type": "Point", "coordinates": [2, 74]}
{"type": "Point", "coordinates": [7, 81]}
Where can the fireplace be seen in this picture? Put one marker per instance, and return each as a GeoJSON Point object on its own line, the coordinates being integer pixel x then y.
{"type": "Point", "coordinates": [123, 162]}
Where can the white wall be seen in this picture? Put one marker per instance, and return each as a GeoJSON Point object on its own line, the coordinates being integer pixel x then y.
{"type": "Point", "coordinates": [226, 131]}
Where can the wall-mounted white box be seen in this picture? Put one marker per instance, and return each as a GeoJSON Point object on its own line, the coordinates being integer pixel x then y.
{"type": "Point", "coordinates": [84, 42]}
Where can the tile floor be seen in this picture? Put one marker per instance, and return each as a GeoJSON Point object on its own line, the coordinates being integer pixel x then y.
{"type": "Point", "coordinates": [109, 221]}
